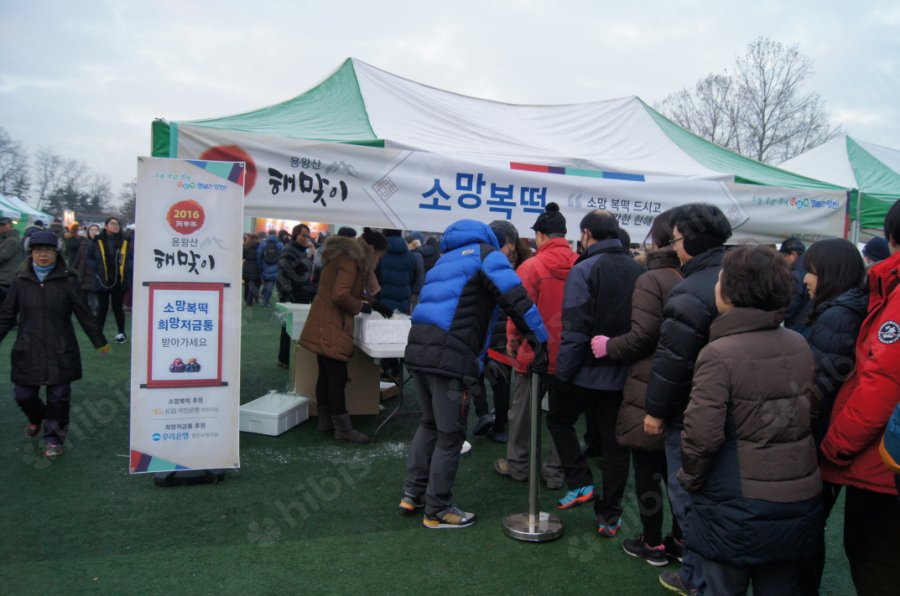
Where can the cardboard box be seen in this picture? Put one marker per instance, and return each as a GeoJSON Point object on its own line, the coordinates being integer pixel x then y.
{"type": "Point", "coordinates": [362, 391]}
{"type": "Point", "coordinates": [274, 413]}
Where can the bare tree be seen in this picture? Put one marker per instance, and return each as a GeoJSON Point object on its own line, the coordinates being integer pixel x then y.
{"type": "Point", "coordinates": [14, 178]}
{"type": "Point", "coordinates": [759, 111]}
{"type": "Point", "coordinates": [47, 168]}
{"type": "Point", "coordinates": [99, 194]}
{"type": "Point", "coordinates": [128, 197]}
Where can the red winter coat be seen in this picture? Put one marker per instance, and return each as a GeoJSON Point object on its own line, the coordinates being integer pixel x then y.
{"type": "Point", "coordinates": [543, 277]}
{"type": "Point", "coordinates": [871, 392]}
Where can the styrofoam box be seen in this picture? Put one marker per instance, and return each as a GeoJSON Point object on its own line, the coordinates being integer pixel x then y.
{"type": "Point", "coordinates": [274, 413]}
{"type": "Point", "coordinates": [373, 329]}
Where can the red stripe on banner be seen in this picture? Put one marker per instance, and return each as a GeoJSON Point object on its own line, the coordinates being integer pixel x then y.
{"type": "Point", "coordinates": [529, 167]}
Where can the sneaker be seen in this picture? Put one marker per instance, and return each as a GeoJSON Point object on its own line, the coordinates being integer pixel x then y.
{"type": "Point", "coordinates": [654, 555]}
{"type": "Point", "coordinates": [670, 580]}
{"type": "Point", "coordinates": [501, 466]}
{"type": "Point", "coordinates": [32, 430]}
{"type": "Point", "coordinates": [576, 497]}
{"type": "Point", "coordinates": [674, 548]}
{"type": "Point", "coordinates": [450, 518]}
{"type": "Point", "coordinates": [52, 449]}
{"type": "Point", "coordinates": [484, 424]}
{"type": "Point", "coordinates": [120, 338]}
{"type": "Point", "coordinates": [409, 503]}
{"type": "Point", "coordinates": [609, 530]}
{"type": "Point", "coordinates": [466, 449]}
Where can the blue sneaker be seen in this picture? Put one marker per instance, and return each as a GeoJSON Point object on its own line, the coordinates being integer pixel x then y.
{"type": "Point", "coordinates": [609, 530]}
{"type": "Point", "coordinates": [577, 497]}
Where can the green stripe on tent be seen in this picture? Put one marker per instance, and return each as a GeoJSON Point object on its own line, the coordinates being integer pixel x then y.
{"type": "Point", "coordinates": [332, 111]}
{"type": "Point", "coordinates": [879, 186]}
{"type": "Point", "coordinates": [159, 135]}
{"type": "Point", "coordinates": [714, 157]}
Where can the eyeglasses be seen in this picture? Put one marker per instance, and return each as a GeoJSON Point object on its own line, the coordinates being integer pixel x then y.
{"type": "Point", "coordinates": [675, 241]}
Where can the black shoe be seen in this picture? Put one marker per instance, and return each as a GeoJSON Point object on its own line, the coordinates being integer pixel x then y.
{"type": "Point", "coordinates": [654, 555]}
{"type": "Point", "coordinates": [674, 548]}
{"type": "Point", "coordinates": [485, 423]}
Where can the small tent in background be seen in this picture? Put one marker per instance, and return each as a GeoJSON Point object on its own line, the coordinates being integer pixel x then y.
{"type": "Point", "coordinates": [872, 171]}
{"type": "Point", "coordinates": [7, 210]}
{"type": "Point", "coordinates": [25, 213]}
{"type": "Point", "coordinates": [416, 157]}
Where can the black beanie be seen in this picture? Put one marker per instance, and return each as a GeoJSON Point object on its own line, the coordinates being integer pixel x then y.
{"type": "Point", "coordinates": [551, 221]}
{"type": "Point", "coordinates": [703, 226]}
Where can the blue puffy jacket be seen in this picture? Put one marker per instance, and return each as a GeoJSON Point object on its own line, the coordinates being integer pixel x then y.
{"type": "Point", "coordinates": [396, 274]}
{"type": "Point", "coordinates": [458, 305]}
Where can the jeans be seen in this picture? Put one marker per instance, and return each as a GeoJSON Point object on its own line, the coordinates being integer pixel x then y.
{"type": "Point", "coordinates": [690, 571]}
{"type": "Point", "coordinates": [268, 288]}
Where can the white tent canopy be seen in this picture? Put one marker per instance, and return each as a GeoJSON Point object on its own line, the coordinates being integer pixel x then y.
{"type": "Point", "coordinates": [415, 157]}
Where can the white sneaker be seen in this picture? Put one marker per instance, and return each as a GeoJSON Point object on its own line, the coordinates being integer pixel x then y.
{"type": "Point", "coordinates": [120, 338]}
{"type": "Point", "coordinates": [466, 448]}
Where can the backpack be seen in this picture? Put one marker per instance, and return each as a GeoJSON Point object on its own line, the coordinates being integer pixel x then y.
{"type": "Point", "coordinates": [270, 253]}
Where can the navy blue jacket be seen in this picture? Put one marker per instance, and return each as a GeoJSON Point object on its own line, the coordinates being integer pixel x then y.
{"type": "Point", "coordinates": [689, 311]}
{"type": "Point", "coordinates": [268, 271]}
{"type": "Point", "coordinates": [596, 301]}
{"type": "Point", "coordinates": [396, 274]}
{"type": "Point", "coordinates": [832, 338]}
{"type": "Point", "coordinates": [795, 315]}
{"type": "Point", "coordinates": [457, 308]}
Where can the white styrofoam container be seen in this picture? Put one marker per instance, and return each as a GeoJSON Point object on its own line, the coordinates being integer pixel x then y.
{"type": "Point", "coordinates": [274, 413]}
{"type": "Point", "coordinates": [373, 329]}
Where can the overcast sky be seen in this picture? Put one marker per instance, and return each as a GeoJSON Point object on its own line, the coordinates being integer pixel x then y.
{"type": "Point", "coordinates": [86, 78]}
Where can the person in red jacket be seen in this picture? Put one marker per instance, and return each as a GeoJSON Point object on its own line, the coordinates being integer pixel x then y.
{"type": "Point", "coordinates": [861, 412]}
{"type": "Point", "coordinates": [543, 277]}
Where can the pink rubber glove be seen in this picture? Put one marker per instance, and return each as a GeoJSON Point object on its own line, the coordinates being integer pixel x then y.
{"type": "Point", "coordinates": [598, 345]}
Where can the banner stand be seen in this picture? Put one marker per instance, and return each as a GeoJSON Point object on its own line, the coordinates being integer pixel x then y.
{"type": "Point", "coordinates": [188, 477]}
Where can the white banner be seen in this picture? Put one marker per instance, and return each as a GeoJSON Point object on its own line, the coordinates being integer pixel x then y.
{"type": "Point", "coordinates": [186, 330]}
{"type": "Point", "coordinates": [415, 190]}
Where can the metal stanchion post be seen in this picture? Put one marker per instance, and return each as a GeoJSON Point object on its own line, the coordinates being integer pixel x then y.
{"type": "Point", "coordinates": [535, 525]}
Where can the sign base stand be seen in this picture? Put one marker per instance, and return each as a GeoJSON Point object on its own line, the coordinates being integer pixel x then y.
{"type": "Point", "coordinates": [188, 477]}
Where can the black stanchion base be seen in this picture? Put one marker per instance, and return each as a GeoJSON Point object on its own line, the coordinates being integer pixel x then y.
{"type": "Point", "coordinates": [188, 477]}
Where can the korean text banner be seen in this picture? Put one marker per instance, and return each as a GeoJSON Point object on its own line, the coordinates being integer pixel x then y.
{"type": "Point", "coordinates": [416, 190]}
{"type": "Point", "coordinates": [186, 344]}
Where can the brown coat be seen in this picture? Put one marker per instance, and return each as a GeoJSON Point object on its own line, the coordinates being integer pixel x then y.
{"type": "Point", "coordinates": [748, 421]}
{"type": "Point", "coordinates": [329, 327]}
{"type": "Point", "coordinates": [638, 346]}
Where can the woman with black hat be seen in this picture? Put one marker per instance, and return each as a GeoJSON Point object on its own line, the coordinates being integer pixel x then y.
{"type": "Point", "coordinates": [42, 298]}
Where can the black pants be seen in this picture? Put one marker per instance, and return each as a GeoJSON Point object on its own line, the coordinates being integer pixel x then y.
{"type": "Point", "coordinates": [774, 579]}
{"type": "Point", "coordinates": [54, 414]}
{"type": "Point", "coordinates": [599, 407]}
{"type": "Point", "coordinates": [330, 385]}
{"type": "Point", "coordinates": [284, 347]}
{"type": "Point", "coordinates": [115, 296]}
{"type": "Point", "coordinates": [251, 291]}
{"type": "Point", "coordinates": [872, 540]}
{"type": "Point", "coordinates": [498, 374]}
{"type": "Point", "coordinates": [650, 474]}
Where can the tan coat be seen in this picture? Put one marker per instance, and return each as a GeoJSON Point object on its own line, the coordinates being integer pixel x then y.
{"type": "Point", "coordinates": [329, 327]}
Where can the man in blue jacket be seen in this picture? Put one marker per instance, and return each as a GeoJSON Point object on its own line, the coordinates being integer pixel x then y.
{"type": "Point", "coordinates": [451, 327]}
{"type": "Point", "coordinates": [596, 301]}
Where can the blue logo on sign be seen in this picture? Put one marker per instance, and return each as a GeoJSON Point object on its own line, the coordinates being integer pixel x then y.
{"type": "Point", "coordinates": [156, 436]}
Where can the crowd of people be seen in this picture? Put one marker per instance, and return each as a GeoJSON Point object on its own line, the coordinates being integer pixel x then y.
{"type": "Point", "coordinates": [746, 387]}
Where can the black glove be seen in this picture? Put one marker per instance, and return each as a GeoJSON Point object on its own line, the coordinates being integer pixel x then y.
{"type": "Point", "coordinates": [541, 359]}
{"type": "Point", "coordinates": [366, 308]}
{"type": "Point", "coordinates": [383, 310]}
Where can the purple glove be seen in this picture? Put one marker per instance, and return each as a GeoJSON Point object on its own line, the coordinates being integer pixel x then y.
{"type": "Point", "coordinates": [598, 345]}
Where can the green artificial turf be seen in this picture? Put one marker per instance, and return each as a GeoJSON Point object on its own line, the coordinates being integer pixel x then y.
{"type": "Point", "coordinates": [303, 515]}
